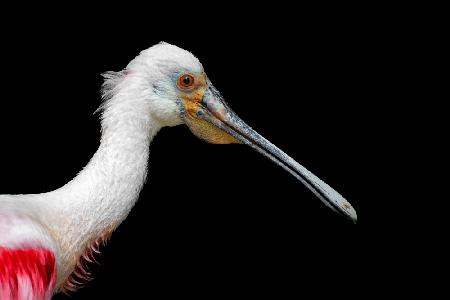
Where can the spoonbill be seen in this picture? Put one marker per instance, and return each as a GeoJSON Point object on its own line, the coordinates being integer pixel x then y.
{"type": "Point", "coordinates": [47, 240]}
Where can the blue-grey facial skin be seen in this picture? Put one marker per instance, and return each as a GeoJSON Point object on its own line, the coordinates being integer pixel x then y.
{"type": "Point", "coordinates": [159, 90]}
{"type": "Point", "coordinates": [215, 111]}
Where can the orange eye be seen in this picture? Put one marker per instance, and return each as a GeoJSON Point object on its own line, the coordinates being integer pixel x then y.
{"type": "Point", "coordinates": [185, 81]}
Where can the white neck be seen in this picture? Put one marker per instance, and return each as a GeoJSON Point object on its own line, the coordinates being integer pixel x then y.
{"type": "Point", "coordinates": [101, 196]}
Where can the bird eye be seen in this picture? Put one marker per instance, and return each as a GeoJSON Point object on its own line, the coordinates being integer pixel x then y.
{"type": "Point", "coordinates": [185, 81]}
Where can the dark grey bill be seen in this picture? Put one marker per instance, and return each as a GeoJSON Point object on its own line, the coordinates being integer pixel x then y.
{"type": "Point", "coordinates": [217, 112]}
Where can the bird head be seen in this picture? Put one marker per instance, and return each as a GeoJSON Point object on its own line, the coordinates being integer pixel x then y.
{"type": "Point", "coordinates": [182, 93]}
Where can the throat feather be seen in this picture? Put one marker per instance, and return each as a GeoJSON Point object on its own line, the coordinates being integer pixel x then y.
{"type": "Point", "coordinates": [81, 273]}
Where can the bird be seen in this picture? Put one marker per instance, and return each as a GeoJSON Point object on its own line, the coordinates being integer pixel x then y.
{"type": "Point", "coordinates": [48, 240]}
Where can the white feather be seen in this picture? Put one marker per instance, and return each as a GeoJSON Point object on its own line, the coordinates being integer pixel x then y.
{"type": "Point", "coordinates": [138, 101]}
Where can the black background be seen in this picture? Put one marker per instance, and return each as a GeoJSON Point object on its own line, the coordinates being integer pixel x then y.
{"type": "Point", "coordinates": [217, 219]}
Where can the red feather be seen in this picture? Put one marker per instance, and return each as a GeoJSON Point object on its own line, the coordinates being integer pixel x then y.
{"type": "Point", "coordinates": [27, 273]}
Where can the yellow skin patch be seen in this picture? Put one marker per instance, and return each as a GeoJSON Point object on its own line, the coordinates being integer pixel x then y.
{"type": "Point", "coordinates": [192, 99]}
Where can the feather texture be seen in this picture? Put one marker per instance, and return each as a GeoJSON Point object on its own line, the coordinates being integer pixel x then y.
{"type": "Point", "coordinates": [74, 221]}
{"type": "Point", "coordinates": [27, 274]}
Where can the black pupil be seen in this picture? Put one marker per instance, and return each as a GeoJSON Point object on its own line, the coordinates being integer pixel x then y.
{"type": "Point", "coordinates": [187, 80]}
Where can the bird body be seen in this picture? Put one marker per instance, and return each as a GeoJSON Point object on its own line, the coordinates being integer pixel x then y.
{"type": "Point", "coordinates": [55, 235]}
{"type": "Point", "coordinates": [88, 208]}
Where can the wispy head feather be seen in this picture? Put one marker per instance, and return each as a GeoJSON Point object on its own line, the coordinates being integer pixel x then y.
{"type": "Point", "coordinates": [109, 87]}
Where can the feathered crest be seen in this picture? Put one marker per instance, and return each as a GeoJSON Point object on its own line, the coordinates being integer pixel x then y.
{"type": "Point", "coordinates": [109, 87]}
